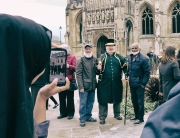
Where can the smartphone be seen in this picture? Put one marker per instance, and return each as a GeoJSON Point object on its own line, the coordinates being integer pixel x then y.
{"type": "Point", "coordinates": [57, 68]}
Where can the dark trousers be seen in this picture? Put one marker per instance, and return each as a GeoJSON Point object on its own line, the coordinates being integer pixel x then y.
{"type": "Point", "coordinates": [66, 99]}
{"type": "Point", "coordinates": [137, 97]}
{"type": "Point", "coordinates": [103, 110]}
{"type": "Point", "coordinates": [52, 98]}
{"type": "Point", "coordinates": [34, 91]}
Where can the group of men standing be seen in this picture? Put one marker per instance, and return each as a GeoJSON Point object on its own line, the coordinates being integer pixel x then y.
{"type": "Point", "coordinates": [110, 67]}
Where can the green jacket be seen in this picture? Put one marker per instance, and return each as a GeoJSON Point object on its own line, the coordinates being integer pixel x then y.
{"type": "Point", "coordinates": [121, 59]}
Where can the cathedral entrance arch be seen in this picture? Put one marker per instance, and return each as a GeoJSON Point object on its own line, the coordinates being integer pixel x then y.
{"type": "Point", "coordinates": [101, 45]}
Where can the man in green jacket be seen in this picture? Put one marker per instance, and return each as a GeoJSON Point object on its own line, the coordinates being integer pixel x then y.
{"type": "Point", "coordinates": [110, 87]}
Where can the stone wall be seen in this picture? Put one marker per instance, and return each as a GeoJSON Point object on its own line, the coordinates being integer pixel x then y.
{"type": "Point", "coordinates": [111, 18]}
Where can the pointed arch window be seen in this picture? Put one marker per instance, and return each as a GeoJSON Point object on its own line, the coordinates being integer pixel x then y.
{"type": "Point", "coordinates": [176, 19]}
{"type": "Point", "coordinates": [129, 33]}
{"type": "Point", "coordinates": [147, 21]}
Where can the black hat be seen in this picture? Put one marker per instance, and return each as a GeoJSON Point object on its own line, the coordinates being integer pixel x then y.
{"type": "Point", "coordinates": [88, 45]}
{"type": "Point", "coordinates": [110, 42]}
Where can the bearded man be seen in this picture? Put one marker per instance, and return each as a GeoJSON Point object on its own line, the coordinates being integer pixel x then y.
{"type": "Point", "coordinates": [110, 87]}
{"type": "Point", "coordinates": [139, 74]}
{"type": "Point", "coordinates": [86, 79]}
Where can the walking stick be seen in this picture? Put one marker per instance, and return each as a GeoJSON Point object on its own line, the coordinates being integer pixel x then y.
{"type": "Point", "coordinates": [126, 94]}
{"type": "Point", "coordinates": [125, 103]}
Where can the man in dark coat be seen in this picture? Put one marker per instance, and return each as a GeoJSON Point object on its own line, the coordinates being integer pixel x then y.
{"type": "Point", "coordinates": [86, 79]}
{"type": "Point", "coordinates": [139, 74]}
{"type": "Point", "coordinates": [110, 88]}
{"type": "Point", "coordinates": [164, 121]}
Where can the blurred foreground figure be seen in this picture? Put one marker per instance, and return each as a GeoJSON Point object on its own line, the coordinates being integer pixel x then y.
{"type": "Point", "coordinates": [24, 51]}
{"type": "Point", "coordinates": [164, 121]}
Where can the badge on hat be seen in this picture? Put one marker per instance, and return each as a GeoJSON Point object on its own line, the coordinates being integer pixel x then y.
{"type": "Point", "coordinates": [110, 42]}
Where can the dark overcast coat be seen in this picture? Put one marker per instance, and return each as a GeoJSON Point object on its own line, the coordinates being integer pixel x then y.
{"type": "Point", "coordinates": [169, 76]}
{"type": "Point", "coordinates": [110, 87]}
{"type": "Point", "coordinates": [138, 71]}
{"type": "Point", "coordinates": [24, 52]}
{"type": "Point", "coordinates": [163, 122]}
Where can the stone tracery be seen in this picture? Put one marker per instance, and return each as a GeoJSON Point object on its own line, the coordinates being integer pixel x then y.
{"type": "Point", "coordinates": [99, 12]}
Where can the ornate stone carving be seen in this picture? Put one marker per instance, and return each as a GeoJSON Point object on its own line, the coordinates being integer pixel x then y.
{"type": "Point", "coordinates": [107, 15]}
{"type": "Point", "coordinates": [112, 15]}
{"type": "Point", "coordinates": [89, 17]}
{"type": "Point", "coordinates": [93, 17]}
{"type": "Point", "coordinates": [103, 16]}
{"type": "Point", "coordinates": [97, 17]}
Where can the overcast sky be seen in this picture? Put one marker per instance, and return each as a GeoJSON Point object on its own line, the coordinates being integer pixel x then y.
{"type": "Point", "coordinates": [50, 13]}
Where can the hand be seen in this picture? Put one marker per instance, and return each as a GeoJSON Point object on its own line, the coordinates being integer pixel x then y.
{"type": "Point", "coordinates": [160, 94]}
{"type": "Point", "coordinates": [67, 65]}
{"type": "Point", "coordinates": [51, 89]}
{"type": "Point", "coordinates": [81, 90]}
{"type": "Point", "coordinates": [99, 66]}
{"type": "Point", "coordinates": [43, 94]}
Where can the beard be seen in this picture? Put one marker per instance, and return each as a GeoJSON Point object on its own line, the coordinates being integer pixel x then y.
{"type": "Point", "coordinates": [135, 53]}
{"type": "Point", "coordinates": [88, 55]}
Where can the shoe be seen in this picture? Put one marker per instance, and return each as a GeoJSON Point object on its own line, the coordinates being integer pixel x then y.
{"type": "Point", "coordinates": [102, 121]}
{"type": "Point", "coordinates": [55, 106]}
{"type": "Point", "coordinates": [133, 119]}
{"type": "Point", "coordinates": [82, 123]}
{"type": "Point", "coordinates": [91, 120]}
{"type": "Point", "coordinates": [138, 122]}
{"type": "Point", "coordinates": [118, 117]}
{"type": "Point", "coordinates": [61, 116]}
{"type": "Point", "coordinates": [70, 117]}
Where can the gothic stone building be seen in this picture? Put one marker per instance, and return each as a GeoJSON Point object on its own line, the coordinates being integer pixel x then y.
{"type": "Point", "coordinates": [155, 24]}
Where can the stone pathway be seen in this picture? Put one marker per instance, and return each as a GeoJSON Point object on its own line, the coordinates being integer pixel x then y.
{"type": "Point", "coordinates": [64, 128]}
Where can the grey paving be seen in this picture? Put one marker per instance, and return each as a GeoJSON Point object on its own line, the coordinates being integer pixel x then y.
{"type": "Point", "coordinates": [64, 128]}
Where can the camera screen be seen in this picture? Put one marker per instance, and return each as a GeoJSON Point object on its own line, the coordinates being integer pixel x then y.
{"type": "Point", "coordinates": [58, 66]}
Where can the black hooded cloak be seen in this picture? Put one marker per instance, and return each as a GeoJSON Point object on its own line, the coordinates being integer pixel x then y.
{"type": "Point", "coordinates": [24, 52]}
{"type": "Point", "coordinates": [164, 122]}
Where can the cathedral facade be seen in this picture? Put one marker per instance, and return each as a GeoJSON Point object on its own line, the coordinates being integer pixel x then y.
{"type": "Point", "coordinates": [155, 24]}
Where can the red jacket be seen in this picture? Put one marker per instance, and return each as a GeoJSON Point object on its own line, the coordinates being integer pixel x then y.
{"type": "Point", "coordinates": [71, 60]}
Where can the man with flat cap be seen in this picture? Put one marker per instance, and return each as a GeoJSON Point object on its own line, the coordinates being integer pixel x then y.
{"type": "Point", "coordinates": [110, 87]}
{"type": "Point", "coordinates": [86, 79]}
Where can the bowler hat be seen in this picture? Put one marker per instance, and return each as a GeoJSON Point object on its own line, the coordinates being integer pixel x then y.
{"type": "Point", "coordinates": [110, 42]}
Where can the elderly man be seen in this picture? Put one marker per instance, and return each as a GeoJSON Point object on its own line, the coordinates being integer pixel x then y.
{"type": "Point", "coordinates": [110, 87]}
{"type": "Point", "coordinates": [86, 78]}
{"type": "Point", "coordinates": [139, 74]}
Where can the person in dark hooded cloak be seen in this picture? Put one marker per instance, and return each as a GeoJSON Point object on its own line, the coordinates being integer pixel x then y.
{"type": "Point", "coordinates": [24, 52]}
{"type": "Point", "coordinates": [163, 122]}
